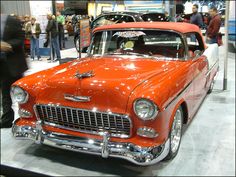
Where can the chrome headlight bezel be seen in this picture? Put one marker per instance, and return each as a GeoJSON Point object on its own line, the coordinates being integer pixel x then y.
{"type": "Point", "coordinates": [18, 90]}
{"type": "Point", "coordinates": [148, 102]}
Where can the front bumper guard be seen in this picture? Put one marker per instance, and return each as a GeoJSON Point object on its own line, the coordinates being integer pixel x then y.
{"type": "Point", "coordinates": [129, 151]}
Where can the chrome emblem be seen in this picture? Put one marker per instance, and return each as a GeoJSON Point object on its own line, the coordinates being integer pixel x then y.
{"type": "Point", "coordinates": [84, 75]}
{"type": "Point", "coordinates": [77, 98]}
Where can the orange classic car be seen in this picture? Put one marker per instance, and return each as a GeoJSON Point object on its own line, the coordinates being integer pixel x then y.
{"type": "Point", "coordinates": [129, 98]}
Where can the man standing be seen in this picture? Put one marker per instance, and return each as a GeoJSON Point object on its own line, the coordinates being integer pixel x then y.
{"type": "Point", "coordinates": [168, 17]}
{"type": "Point", "coordinates": [12, 63]}
{"type": "Point", "coordinates": [53, 31]}
{"type": "Point", "coordinates": [61, 22]}
{"type": "Point", "coordinates": [213, 27]}
{"type": "Point", "coordinates": [196, 17]}
{"type": "Point", "coordinates": [33, 31]}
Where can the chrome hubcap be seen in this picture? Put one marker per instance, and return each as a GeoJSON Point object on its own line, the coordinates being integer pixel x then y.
{"type": "Point", "coordinates": [176, 131]}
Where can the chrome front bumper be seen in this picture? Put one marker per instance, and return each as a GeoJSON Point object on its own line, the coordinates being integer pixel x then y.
{"type": "Point", "coordinates": [104, 147]}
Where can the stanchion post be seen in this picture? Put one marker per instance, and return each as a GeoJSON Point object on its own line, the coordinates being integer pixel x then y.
{"type": "Point", "coordinates": [1, 106]}
{"type": "Point", "coordinates": [226, 45]}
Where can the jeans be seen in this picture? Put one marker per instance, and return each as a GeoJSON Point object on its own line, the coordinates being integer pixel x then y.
{"type": "Point", "coordinates": [56, 47]}
{"type": "Point", "coordinates": [61, 36]}
{"type": "Point", "coordinates": [34, 47]}
{"type": "Point", "coordinates": [212, 41]}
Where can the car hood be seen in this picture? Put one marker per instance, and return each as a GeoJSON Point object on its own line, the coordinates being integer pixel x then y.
{"type": "Point", "coordinates": [109, 89]}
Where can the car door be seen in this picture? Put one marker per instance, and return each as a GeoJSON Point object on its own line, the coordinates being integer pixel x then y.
{"type": "Point", "coordinates": [199, 65]}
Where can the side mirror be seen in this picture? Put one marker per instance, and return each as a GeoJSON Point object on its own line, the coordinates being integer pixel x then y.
{"type": "Point", "coordinates": [197, 53]}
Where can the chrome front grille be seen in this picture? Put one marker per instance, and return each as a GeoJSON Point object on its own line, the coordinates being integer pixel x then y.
{"type": "Point", "coordinates": [86, 121]}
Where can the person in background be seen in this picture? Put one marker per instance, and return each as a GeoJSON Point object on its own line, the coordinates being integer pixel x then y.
{"type": "Point", "coordinates": [32, 31]}
{"type": "Point", "coordinates": [53, 17]}
{"type": "Point", "coordinates": [75, 21]}
{"type": "Point", "coordinates": [26, 20]}
{"type": "Point", "coordinates": [61, 22]}
{"type": "Point", "coordinates": [196, 17]}
{"type": "Point", "coordinates": [21, 18]}
{"type": "Point", "coordinates": [213, 27]}
{"type": "Point", "coordinates": [12, 63]}
{"type": "Point", "coordinates": [91, 18]}
{"type": "Point", "coordinates": [53, 30]}
{"type": "Point", "coordinates": [168, 18]}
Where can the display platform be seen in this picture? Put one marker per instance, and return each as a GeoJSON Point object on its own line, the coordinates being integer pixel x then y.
{"type": "Point", "coordinates": [207, 147]}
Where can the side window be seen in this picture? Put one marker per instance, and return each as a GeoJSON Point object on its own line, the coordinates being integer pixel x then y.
{"type": "Point", "coordinates": [126, 18]}
{"type": "Point", "coordinates": [194, 42]}
{"type": "Point", "coordinates": [97, 22]}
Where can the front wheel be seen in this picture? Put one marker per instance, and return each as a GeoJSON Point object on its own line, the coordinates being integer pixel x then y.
{"type": "Point", "coordinates": [77, 43]}
{"type": "Point", "coordinates": [175, 134]}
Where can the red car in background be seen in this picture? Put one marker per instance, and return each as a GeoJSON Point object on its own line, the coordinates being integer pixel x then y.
{"type": "Point", "coordinates": [27, 46]}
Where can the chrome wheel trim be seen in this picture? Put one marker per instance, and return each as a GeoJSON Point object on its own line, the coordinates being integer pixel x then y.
{"type": "Point", "coordinates": [176, 131]}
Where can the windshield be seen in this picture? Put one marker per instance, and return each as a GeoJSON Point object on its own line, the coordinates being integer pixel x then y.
{"type": "Point", "coordinates": [111, 19]}
{"type": "Point", "coordinates": [138, 42]}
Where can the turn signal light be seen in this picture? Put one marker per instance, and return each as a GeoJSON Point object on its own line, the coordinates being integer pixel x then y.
{"type": "Point", "coordinates": [147, 132]}
{"type": "Point", "coordinates": [24, 113]}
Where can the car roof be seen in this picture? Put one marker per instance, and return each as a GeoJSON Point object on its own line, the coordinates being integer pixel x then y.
{"type": "Point", "coordinates": [174, 26]}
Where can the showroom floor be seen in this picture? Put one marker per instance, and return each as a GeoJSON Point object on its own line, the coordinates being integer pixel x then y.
{"type": "Point", "coordinates": [208, 144]}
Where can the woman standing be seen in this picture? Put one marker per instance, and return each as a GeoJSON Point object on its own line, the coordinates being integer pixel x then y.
{"type": "Point", "coordinates": [33, 31]}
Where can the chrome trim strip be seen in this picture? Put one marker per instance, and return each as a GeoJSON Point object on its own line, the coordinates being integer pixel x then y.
{"type": "Point", "coordinates": [117, 135]}
{"type": "Point", "coordinates": [106, 148]}
{"type": "Point", "coordinates": [185, 88]}
{"type": "Point", "coordinates": [82, 110]}
{"type": "Point", "coordinates": [209, 71]}
{"type": "Point", "coordinates": [96, 121]}
{"type": "Point", "coordinates": [83, 117]}
{"type": "Point", "coordinates": [77, 98]}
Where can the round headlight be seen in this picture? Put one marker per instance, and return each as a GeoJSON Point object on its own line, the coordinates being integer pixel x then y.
{"type": "Point", "coordinates": [145, 109]}
{"type": "Point", "coordinates": [19, 95]}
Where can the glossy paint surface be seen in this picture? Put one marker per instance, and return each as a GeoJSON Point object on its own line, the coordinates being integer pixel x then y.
{"type": "Point", "coordinates": [117, 82]}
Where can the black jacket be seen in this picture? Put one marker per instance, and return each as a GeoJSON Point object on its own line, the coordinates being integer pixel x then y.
{"type": "Point", "coordinates": [14, 64]}
{"type": "Point", "coordinates": [196, 19]}
{"type": "Point", "coordinates": [52, 27]}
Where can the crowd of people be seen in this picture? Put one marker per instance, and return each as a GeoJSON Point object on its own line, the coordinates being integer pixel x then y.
{"type": "Point", "coordinates": [57, 24]}
{"type": "Point", "coordinates": [213, 34]}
